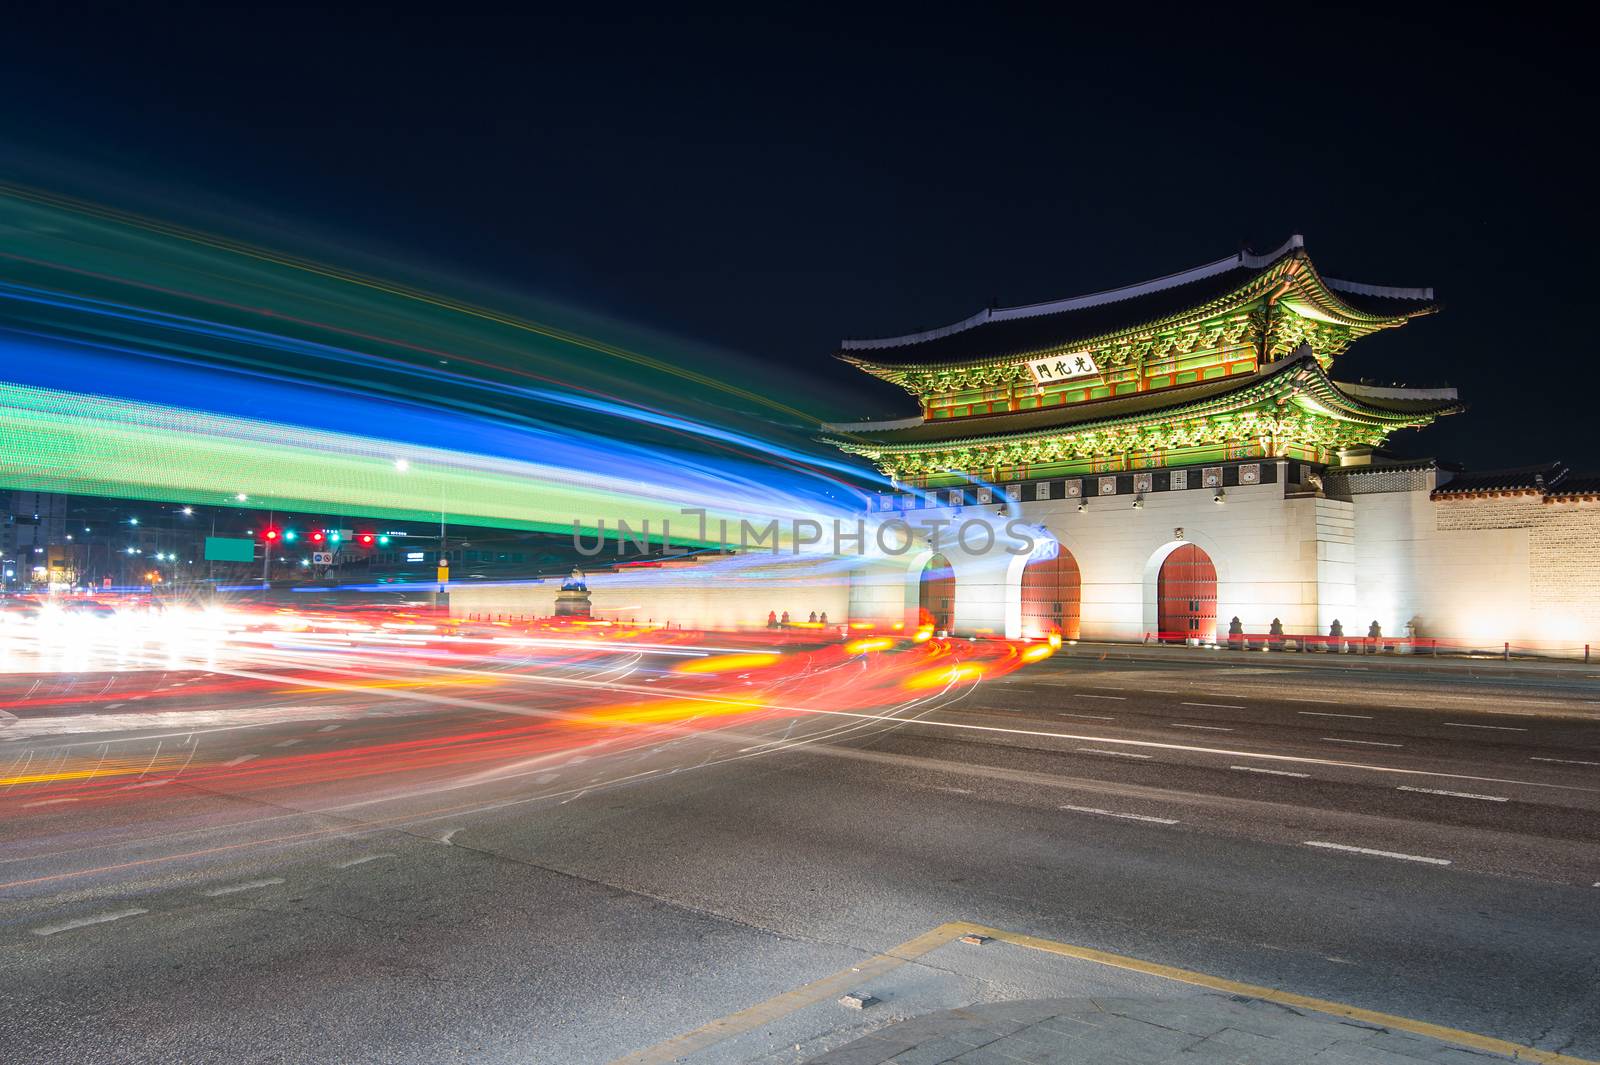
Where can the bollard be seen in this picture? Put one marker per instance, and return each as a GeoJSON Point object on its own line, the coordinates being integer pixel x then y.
{"type": "Point", "coordinates": [1508, 651]}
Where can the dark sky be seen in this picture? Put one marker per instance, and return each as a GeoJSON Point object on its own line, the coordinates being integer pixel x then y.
{"type": "Point", "coordinates": [772, 185]}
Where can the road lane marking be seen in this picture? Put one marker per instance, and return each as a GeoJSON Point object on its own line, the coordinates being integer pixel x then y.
{"type": "Point", "coordinates": [249, 885]}
{"type": "Point", "coordinates": [1208, 728]}
{"type": "Point", "coordinates": [1216, 706]}
{"type": "Point", "coordinates": [1162, 691]}
{"type": "Point", "coordinates": [286, 743]}
{"type": "Point", "coordinates": [46, 802]}
{"type": "Point", "coordinates": [1496, 728]}
{"type": "Point", "coordinates": [1086, 717]}
{"type": "Point", "coordinates": [445, 839]}
{"type": "Point", "coordinates": [363, 860]}
{"type": "Point", "coordinates": [763, 1014]}
{"type": "Point", "coordinates": [84, 922]}
{"type": "Point", "coordinates": [147, 784]}
{"type": "Point", "coordinates": [329, 728]}
{"type": "Point", "coordinates": [954, 791]}
{"type": "Point", "coordinates": [1127, 817]}
{"type": "Point", "coordinates": [1117, 754]}
{"type": "Point", "coordinates": [1272, 772]}
{"type": "Point", "coordinates": [1118, 698]}
{"type": "Point", "coordinates": [1364, 743]}
{"type": "Point", "coordinates": [1453, 794]}
{"type": "Point", "coordinates": [1562, 761]}
{"type": "Point", "coordinates": [241, 760]}
{"type": "Point", "coordinates": [1324, 713]}
{"type": "Point", "coordinates": [1376, 853]}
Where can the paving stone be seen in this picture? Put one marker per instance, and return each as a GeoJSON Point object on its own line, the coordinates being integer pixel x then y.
{"type": "Point", "coordinates": [1207, 1029]}
{"type": "Point", "coordinates": [934, 1052]}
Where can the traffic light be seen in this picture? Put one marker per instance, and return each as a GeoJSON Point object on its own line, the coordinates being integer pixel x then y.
{"type": "Point", "coordinates": [317, 536]}
{"type": "Point", "coordinates": [289, 536]}
{"type": "Point", "coordinates": [270, 535]}
{"type": "Point", "coordinates": [383, 541]}
{"type": "Point", "coordinates": [365, 539]}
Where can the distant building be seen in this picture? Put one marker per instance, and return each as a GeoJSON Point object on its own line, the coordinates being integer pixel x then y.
{"type": "Point", "coordinates": [1186, 455]}
{"type": "Point", "coordinates": [33, 530]}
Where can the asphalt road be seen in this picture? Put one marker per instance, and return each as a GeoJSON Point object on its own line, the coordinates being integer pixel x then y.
{"type": "Point", "coordinates": [434, 870]}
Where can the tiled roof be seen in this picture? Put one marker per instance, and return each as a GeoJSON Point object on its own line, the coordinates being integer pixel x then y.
{"type": "Point", "coordinates": [1540, 478]}
{"type": "Point", "coordinates": [1010, 331]}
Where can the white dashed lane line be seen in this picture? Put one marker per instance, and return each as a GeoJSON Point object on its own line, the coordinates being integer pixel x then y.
{"type": "Point", "coordinates": [1375, 853]}
{"type": "Point", "coordinates": [1495, 728]}
{"type": "Point", "coordinates": [147, 784]}
{"type": "Point", "coordinates": [363, 860]}
{"type": "Point", "coordinates": [1087, 717]}
{"type": "Point", "coordinates": [329, 728]}
{"type": "Point", "coordinates": [1322, 713]}
{"type": "Point", "coordinates": [1117, 754]}
{"type": "Point", "coordinates": [249, 885]}
{"type": "Point", "coordinates": [1217, 706]}
{"type": "Point", "coordinates": [286, 743]}
{"type": "Point", "coordinates": [1453, 794]}
{"type": "Point", "coordinates": [1562, 761]}
{"type": "Point", "coordinates": [1208, 728]}
{"type": "Point", "coordinates": [243, 758]}
{"type": "Point", "coordinates": [1364, 743]}
{"type": "Point", "coordinates": [84, 922]}
{"type": "Point", "coordinates": [1118, 698]}
{"type": "Point", "coordinates": [1269, 772]}
{"type": "Point", "coordinates": [1125, 817]}
{"type": "Point", "coordinates": [46, 802]}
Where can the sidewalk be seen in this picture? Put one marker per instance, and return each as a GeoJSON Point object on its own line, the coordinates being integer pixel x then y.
{"type": "Point", "coordinates": [1207, 1029]}
{"type": "Point", "coordinates": [1489, 665]}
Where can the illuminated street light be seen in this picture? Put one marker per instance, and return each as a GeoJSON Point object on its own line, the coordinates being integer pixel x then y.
{"type": "Point", "coordinates": [241, 497]}
{"type": "Point", "coordinates": [188, 512]}
{"type": "Point", "coordinates": [401, 465]}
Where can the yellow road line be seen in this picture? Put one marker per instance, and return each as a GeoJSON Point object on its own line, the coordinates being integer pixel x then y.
{"type": "Point", "coordinates": [831, 986]}
{"type": "Point", "coordinates": [1285, 998]}
{"type": "Point", "coordinates": [772, 1009]}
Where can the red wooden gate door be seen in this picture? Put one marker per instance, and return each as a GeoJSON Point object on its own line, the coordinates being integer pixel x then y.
{"type": "Point", "coordinates": [1186, 595]}
{"type": "Point", "coordinates": [936, 595]}
{"type": "Point", "coordinates": [1051, 594]}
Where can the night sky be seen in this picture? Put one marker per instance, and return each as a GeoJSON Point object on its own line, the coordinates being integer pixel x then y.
{"type": "Point", "coordinates": [772, 185]}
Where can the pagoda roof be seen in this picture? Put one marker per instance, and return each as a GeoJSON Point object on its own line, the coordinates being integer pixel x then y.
{"type": "Point", "coordinates": [1300, 375]}
{"type": "Point", "coordinates": [1008, 333]}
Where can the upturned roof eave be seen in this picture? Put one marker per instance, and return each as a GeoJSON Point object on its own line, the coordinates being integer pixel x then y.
{"type": "Point", "coordinates": [1320, 292]}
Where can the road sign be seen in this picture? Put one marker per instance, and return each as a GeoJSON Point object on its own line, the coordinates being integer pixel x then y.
{"type": "Point", "coordinates": [444, 570]}
{"type": "Point", "coordinates": [322, 558]}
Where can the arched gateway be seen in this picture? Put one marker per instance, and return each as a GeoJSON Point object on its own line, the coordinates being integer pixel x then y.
{"type": "Point", "coordinates": [936, 594]}
{"type": "Point", "coordinates": [1186, 595]}
{"type": "Point", "coordinates": [1051, 596]}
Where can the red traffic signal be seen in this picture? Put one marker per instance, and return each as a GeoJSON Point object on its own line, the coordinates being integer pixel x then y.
{"type": "Point", "coordinates": [317, 536]}
{"type": "Point", "coordinates": [270, 535]}
{"type": "Point", "coordinates": [365, 539]}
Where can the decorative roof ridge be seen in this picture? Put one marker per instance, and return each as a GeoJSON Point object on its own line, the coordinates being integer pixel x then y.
{"type": "Point", "coordinates": [1074, 303]}
{"type": "Point", "coordinates": [872, 426]}
{"type": "Point", "coordinates": [1395, 392]}
{"type": "Point", "coordinates": [1386, 291]}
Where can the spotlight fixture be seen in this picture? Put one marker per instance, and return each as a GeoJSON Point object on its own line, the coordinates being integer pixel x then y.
{"type": "Point", "coordinates": [1220, 498]}
{"type": "Point", "coordinates": [1082, 506]}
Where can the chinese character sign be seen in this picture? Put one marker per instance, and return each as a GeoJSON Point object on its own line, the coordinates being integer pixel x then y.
{"type": "Point", "coordinates": [1062, 368]}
